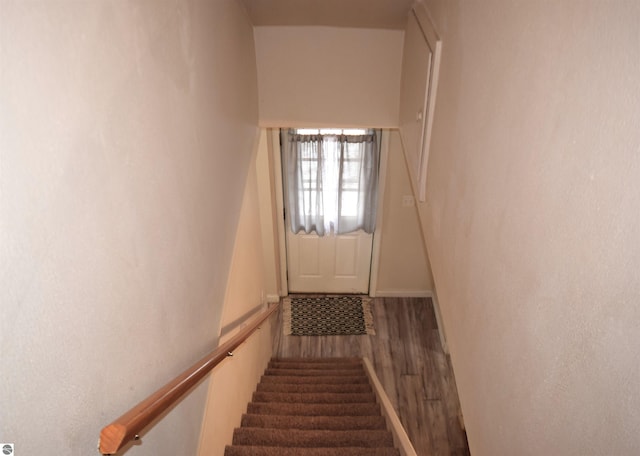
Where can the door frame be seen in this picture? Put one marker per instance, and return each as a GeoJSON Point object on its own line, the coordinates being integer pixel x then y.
{"type": "Point", "coordinates": [274, 143]}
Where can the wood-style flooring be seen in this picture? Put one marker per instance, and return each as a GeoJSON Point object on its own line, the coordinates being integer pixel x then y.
{"type": "Point", "coordinates": [409, 362]}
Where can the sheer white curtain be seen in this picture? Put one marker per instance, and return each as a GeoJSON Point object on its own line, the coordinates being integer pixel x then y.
{"type": "Point", "coordinates": [331, 181]}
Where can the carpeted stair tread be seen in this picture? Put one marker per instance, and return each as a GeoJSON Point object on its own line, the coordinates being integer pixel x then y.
{"type": "Point", "coordinates": [303, 365]}
{"type": "Point", "coordinates": [313, 407]}
{"type": "Point", "coordinates": [351, 379]}
{"type": "Point", "coordinates": [279, 451]}
{"type": "Point", "coordinates": [278, 408]}
{"type": "Point", "coordinates": [313, 372]}
{"type": "Point", "coordinates": [314, 398]}
{"type": "Point", "coordinates": [313, 388]}
{"type": "Point", "coordinates": [312, 438]}
{"type": "Point", "coordinates": [314, 422]}
{"type": "Point", "coordinates": [318, 360]}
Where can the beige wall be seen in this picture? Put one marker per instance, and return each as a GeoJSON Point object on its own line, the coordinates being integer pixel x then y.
{"type": "Point", "coordinates": [231, 387]}
{"type": "Point", "coordinates": [126, 135]}
{"type": "Point", "coordinates": [268, 216]}
{"type": "Point", "coordinates": [532, 222]}
{"type": "Point", "coordinates": [246, 284]}
{"type": "Point", "coordinates": [324, 76]}
{"type": "Point", "coordinates": [233, 382]}
{"type": "Point", "coordinates": [403, 266]}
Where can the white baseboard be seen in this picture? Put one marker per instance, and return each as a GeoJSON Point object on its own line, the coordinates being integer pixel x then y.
{"type": "Point", "coordinates": [273, 298]}
{"type": "Point", "coordinates": [403, 294]}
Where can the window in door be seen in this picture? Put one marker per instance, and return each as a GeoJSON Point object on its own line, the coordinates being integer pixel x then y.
{"type": "Point", "coordinates": [331, 179]}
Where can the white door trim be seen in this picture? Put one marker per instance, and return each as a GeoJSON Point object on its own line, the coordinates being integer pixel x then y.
{"type": "Point", "coordinates": [377, 234]}
{"type": "Point", "coordinates": [274, 134]}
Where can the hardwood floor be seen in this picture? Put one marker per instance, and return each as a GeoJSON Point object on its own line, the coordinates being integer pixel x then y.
{"type": "Point", "coordinates": [411, 365]}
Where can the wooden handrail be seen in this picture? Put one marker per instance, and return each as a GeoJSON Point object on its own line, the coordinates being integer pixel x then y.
{"type": "Point", "coordinates": [126, 428]}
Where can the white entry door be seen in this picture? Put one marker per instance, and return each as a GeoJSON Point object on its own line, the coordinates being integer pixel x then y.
{"type": "Point", "coordinates": [330, 187]}
{"type": "Point", "coordinates": [329, 264]}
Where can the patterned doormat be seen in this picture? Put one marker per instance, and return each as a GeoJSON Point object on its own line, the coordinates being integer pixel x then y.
{"type": "Point", "coordinates": [327, 316]}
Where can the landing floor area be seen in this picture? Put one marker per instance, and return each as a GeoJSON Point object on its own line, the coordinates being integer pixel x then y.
{"type": "Point", "coordinates": [411, 365]}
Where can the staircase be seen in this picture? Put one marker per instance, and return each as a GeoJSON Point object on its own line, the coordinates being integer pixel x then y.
{"type": "Point", "coordinates": [313, 407]}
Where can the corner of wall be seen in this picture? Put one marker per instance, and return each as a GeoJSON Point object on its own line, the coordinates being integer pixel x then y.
{"type": "Point", "coordinates": [233, 381]}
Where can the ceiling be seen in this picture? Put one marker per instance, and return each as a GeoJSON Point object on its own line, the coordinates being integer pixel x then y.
{"type": "Point", "coordinates": [385, 14]}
